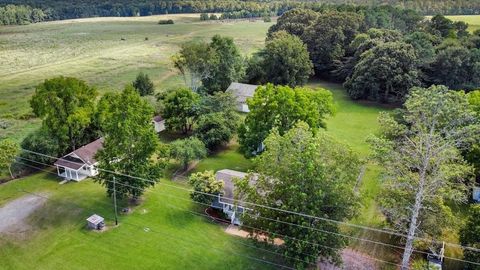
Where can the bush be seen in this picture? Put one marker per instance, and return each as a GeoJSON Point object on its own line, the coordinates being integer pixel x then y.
{"type": "Point", "coordinates": [204, 17]}
{"type": "Point", "coordinates": [166, 22]}
{"type": "Point", "coordinates": [267, 19]}
{"type": "Point", "coordinates": [213, 17]}
{"type": "Point", "coordinates": [143, 84]}
{"type": "Point", "coordinates": [204, 182]}
{"type": "Point", "coordinates": [39, 141]}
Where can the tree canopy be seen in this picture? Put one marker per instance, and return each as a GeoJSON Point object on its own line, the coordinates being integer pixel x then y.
{"type": "Point", "coordinates": [319, 175]}
{"type": "Point", "coordinates": [187, 150]}
{"type": "Point", "coordinates": [470, 237]}
{"type": "Point", "coordinates": [143, 84]}
{"type": "Point", "coordinates": [282, 107]}
{"type": "Point", "coordinates": [66, 106]}
{"type": "Point", "coordinates": [8, 151]}
{"type": "Point", "coordinates": [129, 145]}
{"type": "Point", "coordinates": [424, 169]}
{"type": "Point", "coordinates": [204, 182]}
{"type": "Point", "coordinates": [180, 109]}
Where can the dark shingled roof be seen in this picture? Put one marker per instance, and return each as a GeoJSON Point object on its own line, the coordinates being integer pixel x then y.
{"type": "Point", "coordinates": [158, 118]}
{"type": "Point", "coordinates": [86, 154]}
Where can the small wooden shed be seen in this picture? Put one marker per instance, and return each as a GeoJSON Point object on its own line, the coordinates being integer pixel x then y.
{"type": "Point", "coordinates": [95, 222]}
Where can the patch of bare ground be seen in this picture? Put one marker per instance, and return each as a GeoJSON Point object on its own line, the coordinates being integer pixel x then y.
{"type": "Point", "coordinates": [14, 215]}
{"type": "Point", "coordinates": [352, 260]}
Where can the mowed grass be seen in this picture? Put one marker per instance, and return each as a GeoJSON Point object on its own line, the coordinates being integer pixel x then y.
{"type": "Point", "coordinates": [93, 50]}
{"type": "Point", "coordinates": [161, 233]}
{"type": "Point", "coordinates": [472, 20]}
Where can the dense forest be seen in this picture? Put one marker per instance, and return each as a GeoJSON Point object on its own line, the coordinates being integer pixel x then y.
{"type": "Point", "coordinates": [68, 9]}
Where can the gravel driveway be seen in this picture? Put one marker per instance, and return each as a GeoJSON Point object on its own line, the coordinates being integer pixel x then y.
{"type": "Point", "coordinates": [13, 215]}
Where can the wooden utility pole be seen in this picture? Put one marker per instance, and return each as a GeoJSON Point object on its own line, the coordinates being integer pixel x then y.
{"type": "Point", "coordinates": [115, 201]}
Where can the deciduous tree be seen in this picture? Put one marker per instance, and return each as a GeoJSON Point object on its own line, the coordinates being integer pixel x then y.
{"type": "Point", "coordinates": [143, 84]}
{"type": "Point", "coordinates": [318, 174]}
{"type": "Point", "coordinates": [129, 145]}
{"type": "Point", "coordinates": [423, 165]}
{"type": "Point", "coordinates": [180, 109]}
{"type": "Point", "coordinates": [66, 106]}
{"type": "Point", "coordinates": [187, 150]}
{"type": "Point", "coordinates": [204, 182]}
{"type": "Point", "coordinates": [281, 107]}
{"type": "Point", "coordinates": [8, 151]}
{"type": "Point", "coordinates": [470, 237]}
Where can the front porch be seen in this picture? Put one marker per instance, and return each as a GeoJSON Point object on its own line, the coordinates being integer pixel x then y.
{"type": "Point", "coordinates": [70, 174]}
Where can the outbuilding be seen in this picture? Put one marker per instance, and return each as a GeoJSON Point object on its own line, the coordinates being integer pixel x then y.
{"type": "Point", "coordinates": [242, 92]}
{"type": "Point", "coordinates": [95, 222]}
{"type": "Point", "coordinates": [158, 123]}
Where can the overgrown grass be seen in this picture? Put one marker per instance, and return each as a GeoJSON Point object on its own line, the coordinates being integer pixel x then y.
{"type": "Point", "coordinates": [472, 20]}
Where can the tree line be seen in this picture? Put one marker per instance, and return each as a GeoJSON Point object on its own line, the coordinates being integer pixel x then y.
{"type": "Point", "coordinates": [20, 14]}
{"type": "Point", "coordinates": [231, 9]}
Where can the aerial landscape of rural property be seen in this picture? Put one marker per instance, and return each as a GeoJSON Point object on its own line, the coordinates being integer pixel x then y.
{"type": "Point", "coordinates": [240, 134]}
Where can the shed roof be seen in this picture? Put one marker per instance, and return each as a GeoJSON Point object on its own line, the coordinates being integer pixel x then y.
{"type": "Point", "coordinates": [242, 91]}
{"type": "Point", "coordinates": [95, 219]}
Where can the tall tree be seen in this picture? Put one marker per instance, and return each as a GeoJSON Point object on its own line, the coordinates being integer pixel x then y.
{"type": "Point", "coordinates": [129, 145]}
{"type": "Point", "coordinates": [66, 106]}
{"type": "Point", "coordinates": [286, 60]}
{"type": "Point", "coordinates": [180, 109]}
{"type": "Point", "coordinates": [384, 73]}
{"type": "Point", "coordinates": [294, 22]}
{"type": "Point", "coordinates": [143, 84]}
{"type": "Point", "coordinates": [318, 174]}
{"type": "Point", "coordinates": [8, 151]}
{"type": "Point", "coordinates": [225, 66]}
{"type": "Point", "coordinates": [328, 37]}
{"type": "Point", "coordinates": [424, 169]}
{"type": "Point", "coordinates": [192, 61]}
{"type": "Point", "coordinates": [281, 107]}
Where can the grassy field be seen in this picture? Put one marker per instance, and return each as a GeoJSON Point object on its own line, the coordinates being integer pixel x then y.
{"type": "Point", "coordinates": [472, 20]}
{"type": "Point", "coordinates": [92, 49]}
{"type": "Point", "coordinates": [159, 234]}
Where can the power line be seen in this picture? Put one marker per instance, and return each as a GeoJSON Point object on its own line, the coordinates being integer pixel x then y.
{"type": "Point", "coordinates": [272, 208]}
{"type": "Point", "coordinates": [173, 237]}
{"type": "Point", "coordinates": [293, 224]}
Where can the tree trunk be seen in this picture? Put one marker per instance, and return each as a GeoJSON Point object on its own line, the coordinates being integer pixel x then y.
{"type": "Point", "coordinates": [413, 227]}
{"type": "Point", "coordinates": [10, 171]}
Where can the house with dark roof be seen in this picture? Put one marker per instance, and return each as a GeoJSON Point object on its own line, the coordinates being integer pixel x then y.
{"type": "Point", "coordinates": [226, 201]}
{"type": "Point", "coordinates": [81, 163]}
{"type": "Point", "coordinates": [242, 92]}
{"type": "Point", "coordinates": [158, 123]}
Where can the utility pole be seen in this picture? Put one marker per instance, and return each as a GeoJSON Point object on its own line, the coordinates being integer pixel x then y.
{"type": "Point", "coordinates": [115, 201]}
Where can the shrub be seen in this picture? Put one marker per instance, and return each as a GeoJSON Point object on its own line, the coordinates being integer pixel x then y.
{"type": "Point", "coordinates": [166, 22]}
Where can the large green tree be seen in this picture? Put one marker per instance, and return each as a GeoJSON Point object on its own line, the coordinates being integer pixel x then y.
{"type": "Point", "coordinates": [66, 106]}
{"type": "Point", "coordinates": [424, 169]}
{"type": "Point", "coordinates": [8, 151]}
{"type": "Point", "coordinates": [285, 60]}
{"type": "Point", "coordinates": [384, 73]}
{"type": "Point", "coordinates": [180, 109]}
{"type": "Point", "coordinates": [304, 173]}
{"type": "Point", "coordinates": [470, 237]}
{"type": "Point", "coordinates": [281, 107]}
{"type": "Point", "coordinates": [329, 36]}
{"type": "Point", "coordinates": [129, 145]}
{"type": "Point", "coordinates": [294, 22]}
{"type": "Point", "coordinates": [225, 66]}
{"type": "Point", "coordinates": [192, 61]}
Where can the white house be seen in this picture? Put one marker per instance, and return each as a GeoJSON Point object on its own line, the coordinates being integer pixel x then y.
{"type": "Point", "coordinates": [226, 201]}
{"type": "Point", "coordinates": [158, 123]}
{"type": "Point", "coordinates": [242, 92]}
{"type": "Point", "coordinates": [80, 163]}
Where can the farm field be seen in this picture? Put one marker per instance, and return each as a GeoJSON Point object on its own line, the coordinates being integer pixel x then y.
{"type": "Point", "coordinates": [93, 50]}
{"type": "Point", "coordinates": [472, 20]}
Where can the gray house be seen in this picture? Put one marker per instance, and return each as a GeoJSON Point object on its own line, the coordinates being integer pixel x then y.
{"type": "Point", "coordinates": [226, 201]}
{"type": "Point", "coordinates": [242, 92]}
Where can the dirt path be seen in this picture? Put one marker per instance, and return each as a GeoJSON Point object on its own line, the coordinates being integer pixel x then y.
{"type": "Point", "coordinates": [13, 215]}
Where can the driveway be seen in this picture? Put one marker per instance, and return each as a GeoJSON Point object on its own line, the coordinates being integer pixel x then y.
{"type": "Point", "coordinates": [13, 215]}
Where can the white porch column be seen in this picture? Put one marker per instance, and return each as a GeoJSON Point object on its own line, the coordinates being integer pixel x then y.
{"type": "Point", "coordinates": [76, 173]}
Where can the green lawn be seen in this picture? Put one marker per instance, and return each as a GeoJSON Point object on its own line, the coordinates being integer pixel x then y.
{"type": "Point", "coordinates": [159, 234]}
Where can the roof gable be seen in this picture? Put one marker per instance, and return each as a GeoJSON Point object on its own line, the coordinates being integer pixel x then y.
{"type": "Point", "coordinates": [242, 91]}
